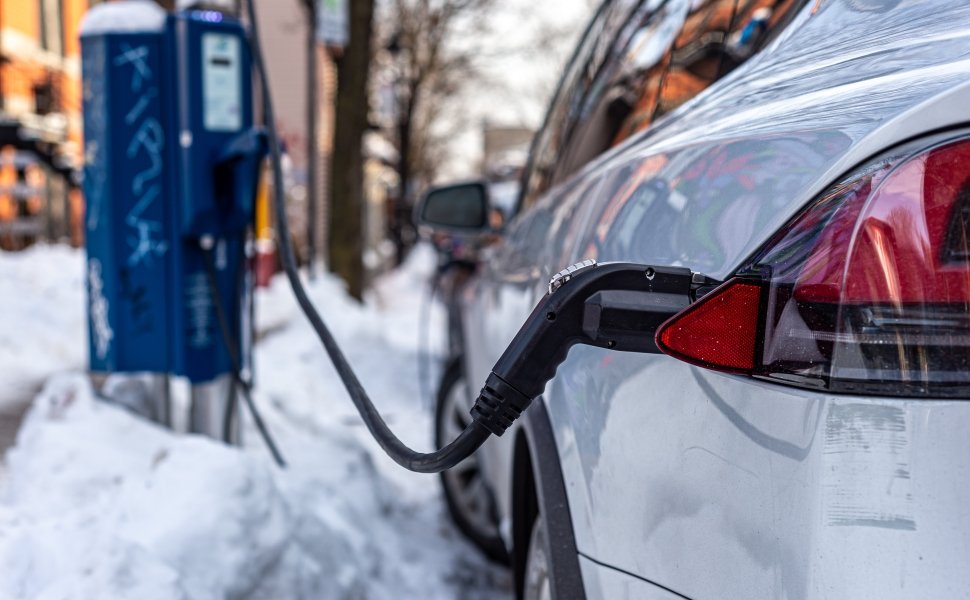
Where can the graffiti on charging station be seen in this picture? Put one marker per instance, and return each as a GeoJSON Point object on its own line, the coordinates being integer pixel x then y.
{"type": "Point", "coordinates": [148, 141]}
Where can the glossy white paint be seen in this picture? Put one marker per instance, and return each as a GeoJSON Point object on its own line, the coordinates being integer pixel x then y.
{"type": "Point", "coordinates": [724, 487]}
{"type": "Point", "coordinates": [720, 487]}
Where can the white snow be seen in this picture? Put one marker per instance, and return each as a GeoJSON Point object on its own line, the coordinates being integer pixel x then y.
{"type": "Point", "coordinates": [129, 16]}
{"type": "Point", "coordinates": [42, 321]}
{"type": "Point", "coordinates": [99, 503]}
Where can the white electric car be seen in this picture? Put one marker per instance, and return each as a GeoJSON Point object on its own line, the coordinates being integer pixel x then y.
{"type": "Point", "coordinates": [806, 433]}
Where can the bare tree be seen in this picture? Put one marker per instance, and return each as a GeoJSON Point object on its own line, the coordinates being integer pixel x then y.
{"type": "Point", "coordinates": [444, 57]}
{"type": "Point", "coordinates": [443, 51]}
{"type": "Point", "coordinates": [428, 68]}
{"type": "Point", "coordinates": [312, 138]}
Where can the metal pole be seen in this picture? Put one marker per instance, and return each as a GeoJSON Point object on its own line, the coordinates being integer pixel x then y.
{"type": "Point", "coordinates": [208, 409]}
{"type": "Point", "coordinates": [313, 158]}
{"type": "Point", "coordinates": [161, 397]}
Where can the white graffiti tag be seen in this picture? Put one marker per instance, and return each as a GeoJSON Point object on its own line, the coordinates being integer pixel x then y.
{"type": "Point", "coordinates": [199, 302]}
{"type": "Point", "coordinates": [148, 141]}
{"type": "Point", "coordinates": [140, 106]}
{"type": "Point", "coordinates": [137, 58]}
{"type": "Point", "coordinates": [151, 139]}
{"type": "Point", "coordinates": [145, 244]}
{"type": "Point", "coordinates": [100, 326]}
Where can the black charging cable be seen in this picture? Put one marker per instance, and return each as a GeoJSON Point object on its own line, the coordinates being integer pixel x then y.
{"type": "Point", "coordinates": [232, 348]}
{"type": "Point", "coordinates": [616, 306]}
{"type": "Point", "coordinates": [232, 400]}
{"type": "Point", "coordinates": [431, 462]}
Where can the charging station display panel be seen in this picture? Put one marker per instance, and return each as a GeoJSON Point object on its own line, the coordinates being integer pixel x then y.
{"type": "Point", "coordinates": [222, 82]}
{"type": "Point", "coordinates": [216, 177]}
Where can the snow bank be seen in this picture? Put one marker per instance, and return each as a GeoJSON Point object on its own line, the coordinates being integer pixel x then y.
{"type": "Point", "coordinates": [42, 322]}
{"type": "Point", "coordinates": [130, 16]}
{"type": "Point", "coordinates": [99, 503]}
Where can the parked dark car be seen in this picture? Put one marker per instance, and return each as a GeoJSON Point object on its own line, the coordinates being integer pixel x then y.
{"type": "Point", "coordinates": [805, 433]}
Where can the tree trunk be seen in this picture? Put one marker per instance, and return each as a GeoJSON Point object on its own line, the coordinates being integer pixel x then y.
{"type": "Point", "coordinates": [403, 202]}
{"type": "Point", "coordinates": [347, 179]}
{"type": "Point", "coordinates": [312, 158]}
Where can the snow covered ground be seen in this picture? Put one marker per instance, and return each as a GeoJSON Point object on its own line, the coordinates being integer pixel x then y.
{"type": "Point", "coordinates": [42, 330]}
{"type": "Point", "coordinates": [98, 503]}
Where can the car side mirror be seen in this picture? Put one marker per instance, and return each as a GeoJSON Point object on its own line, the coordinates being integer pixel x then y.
{"type": "Point", "coordinates": [458, 208]}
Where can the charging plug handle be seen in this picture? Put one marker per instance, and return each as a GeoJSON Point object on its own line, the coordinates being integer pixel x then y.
{"type": "Point", "coordinates": [617, 306]}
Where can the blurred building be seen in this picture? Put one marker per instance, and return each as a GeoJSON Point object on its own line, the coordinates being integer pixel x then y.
{"type": "Point", "coordinates": [505, 151]}
{"type": "Point", "coordinates": [284, 26]}
{"type": "Point", "coordinates": [40, 121]}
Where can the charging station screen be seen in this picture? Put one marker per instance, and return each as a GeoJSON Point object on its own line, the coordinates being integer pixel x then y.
{"type": "Point", "coordinates": [221, 82]}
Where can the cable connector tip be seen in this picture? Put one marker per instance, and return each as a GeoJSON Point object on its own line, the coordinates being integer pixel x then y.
{"type": "Point", "coordinates": [499, 405]}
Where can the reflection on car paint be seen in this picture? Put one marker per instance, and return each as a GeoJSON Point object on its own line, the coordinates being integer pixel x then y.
{"type": "Point", "coordinates": [722, 487]}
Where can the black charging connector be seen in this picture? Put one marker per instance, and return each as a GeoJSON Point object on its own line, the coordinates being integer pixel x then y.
{"type": "Point", "coordinates": [617, 306]}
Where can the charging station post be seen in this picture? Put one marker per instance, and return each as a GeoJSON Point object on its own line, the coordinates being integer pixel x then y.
{"type": "Point", "coordinates": [171, 170]}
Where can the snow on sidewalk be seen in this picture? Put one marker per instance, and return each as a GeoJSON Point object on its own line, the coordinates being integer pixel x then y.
{"type": "Point", "coordinates": [99, 503]}
{"type": "Point", "coordinates": [42, 322]}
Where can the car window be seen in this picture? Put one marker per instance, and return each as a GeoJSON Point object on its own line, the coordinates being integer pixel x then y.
{"type": "Point", "coordinates": [639, 61]}
{"type": "Point", "coordinates": [714, 38]}
{"type": "Point", "coordinates": [573, 87]}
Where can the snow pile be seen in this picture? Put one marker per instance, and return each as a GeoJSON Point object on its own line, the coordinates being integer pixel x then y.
{"type": "Point", "coordinates": [42, 322]}
{"type": "Point", "coordinates": [132, 16]}
{"type": "Point", "coordinates": [99, 503]}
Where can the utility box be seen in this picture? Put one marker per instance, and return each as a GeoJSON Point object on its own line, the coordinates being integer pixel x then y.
{"type": "Point", "coordinates": [127, 188]}
{"type": "Point", "coordinates": [171, 171]}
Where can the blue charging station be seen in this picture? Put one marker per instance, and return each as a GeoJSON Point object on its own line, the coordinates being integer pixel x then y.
{"type": "Point", "coordinates": [172, 162]}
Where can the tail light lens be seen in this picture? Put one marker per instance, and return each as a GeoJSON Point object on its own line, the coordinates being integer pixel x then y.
{"type": "Point", "coordinates": [866, 291]}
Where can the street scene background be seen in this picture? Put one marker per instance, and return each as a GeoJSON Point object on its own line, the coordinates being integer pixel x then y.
{"type": "Point", "coordinates": [97, 501]}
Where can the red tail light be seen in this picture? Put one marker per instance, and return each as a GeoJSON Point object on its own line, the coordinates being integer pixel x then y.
{"type": "Point", "coordinates": [719, 331]}
{"type": "Point", "coordinates": [867, 290]}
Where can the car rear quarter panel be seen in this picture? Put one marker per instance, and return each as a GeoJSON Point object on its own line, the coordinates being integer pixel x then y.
{"type": "Point", "coordinates": [719, 487]}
